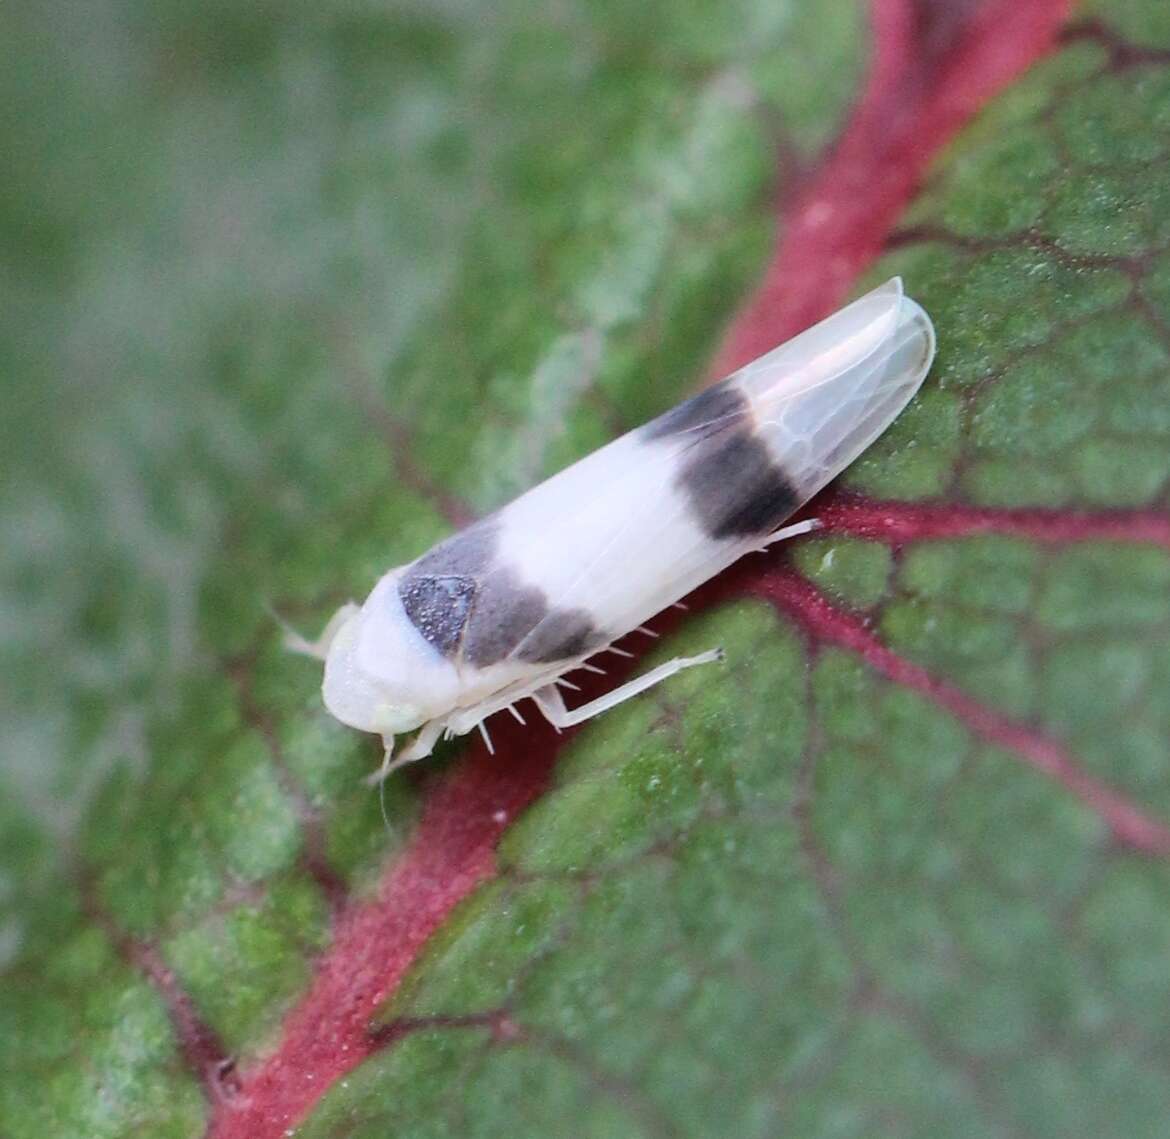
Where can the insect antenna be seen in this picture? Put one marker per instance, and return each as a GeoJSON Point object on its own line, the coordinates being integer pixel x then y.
{"type": "Point", "coordinates": [382, 805]}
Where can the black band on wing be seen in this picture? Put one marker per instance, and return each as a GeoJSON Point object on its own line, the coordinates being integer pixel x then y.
{"type": "Point", "coordinates": [735, 487]}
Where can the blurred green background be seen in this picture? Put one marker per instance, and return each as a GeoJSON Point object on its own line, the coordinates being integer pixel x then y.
{"type": "Point", "coordinates": [232, 230]}
{"type": "Point", "coordinates": [290, 290]}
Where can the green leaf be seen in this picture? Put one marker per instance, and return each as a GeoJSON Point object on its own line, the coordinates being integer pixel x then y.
{"type": "Point", "coordinates": [293, 294]}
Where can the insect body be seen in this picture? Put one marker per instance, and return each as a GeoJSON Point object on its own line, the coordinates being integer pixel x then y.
{"type": "Point", "coordinates": [502, 610]}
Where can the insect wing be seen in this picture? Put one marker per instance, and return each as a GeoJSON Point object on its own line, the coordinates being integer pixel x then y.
{"type": "Point", "coordinates": [620, 535]}
{"type": "Point", "coordinates": [823, 397]}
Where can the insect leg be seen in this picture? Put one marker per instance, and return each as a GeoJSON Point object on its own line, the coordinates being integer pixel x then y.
{"type": "Point", "coordinates": [467, 719]}
{"type": "Point", "coordinates": [294, 642]}
{"type": "Point", "coordinates": [487, 740]}
{"type": "Point", "coordinates": [552, 705]}
{"type": "Point", "coordinates": [793, 531]}
{"type": "Point", "coordinates": [419, 748]}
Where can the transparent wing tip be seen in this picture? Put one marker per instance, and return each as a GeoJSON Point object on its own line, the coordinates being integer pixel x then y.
{"type": "Point", "coordinates": [883, 323]}
{"type": "Point", "coordinates": [915, 330]}
{"type": "Point", "coordinates": [894, 343]}
{"type": "Point", "coordinates": [831, 391]}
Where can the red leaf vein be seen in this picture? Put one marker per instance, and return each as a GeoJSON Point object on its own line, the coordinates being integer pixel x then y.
{"type": "Point", "coordinates": [797, 597]}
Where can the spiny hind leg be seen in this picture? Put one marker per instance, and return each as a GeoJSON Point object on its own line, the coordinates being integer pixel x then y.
{"type": "Point", "coordinates": [464, 720]}
{"type": "Point", "coordinates": [547, 698]}
{"type": "Point", "coordinates": [318, 649]}
{"type": "Point", "coordinates": [552, 704]}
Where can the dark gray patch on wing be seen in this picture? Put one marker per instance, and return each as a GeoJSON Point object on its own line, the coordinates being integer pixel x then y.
{"type": "Point", "coordinates": [562, 635]}
{"type": "Point", "coordinates": [510, 618]}
{"type": "Point", "coordinates": [506, 611]}
{"type": "Point", "coordinates": [734, 486]}
{"type": "Point", "coordinates": [469, 553]}
{"type": "Point", "coordinates": [438, 608]}
{"type": "Point", "coordinates": [468, 606]}
{"type": "Point", "coordinates": [438, 591]}
{"type": "Point", "coordinates": [703, 411]}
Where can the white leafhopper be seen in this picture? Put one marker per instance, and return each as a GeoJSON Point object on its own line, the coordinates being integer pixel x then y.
{"type": "Point", "coordinates": [502, 610]}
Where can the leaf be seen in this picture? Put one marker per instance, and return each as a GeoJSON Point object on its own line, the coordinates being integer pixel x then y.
{"type": "Point", "coordinates": [305, 293]}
